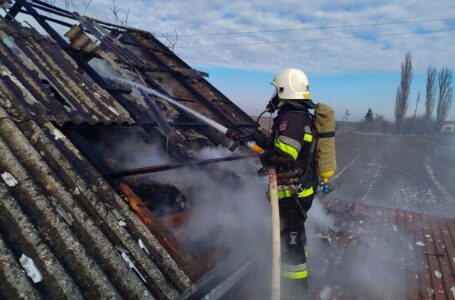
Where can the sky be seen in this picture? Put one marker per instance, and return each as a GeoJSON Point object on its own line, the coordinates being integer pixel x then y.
{"type": "Point", "coordinates": [351, 64]}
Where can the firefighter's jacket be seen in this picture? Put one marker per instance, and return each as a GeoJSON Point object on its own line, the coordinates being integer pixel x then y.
{"type": "Point", "coordinates": [290, 149]}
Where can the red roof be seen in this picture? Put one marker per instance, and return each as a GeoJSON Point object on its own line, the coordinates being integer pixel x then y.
{"type": "Point", "coordinates": [373, 252]}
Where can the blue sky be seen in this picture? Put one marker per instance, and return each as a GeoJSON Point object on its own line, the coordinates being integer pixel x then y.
{"type": "Point", "coordinates": [349, 66]}
{"type": "Point", "coordinates": [355, 92]}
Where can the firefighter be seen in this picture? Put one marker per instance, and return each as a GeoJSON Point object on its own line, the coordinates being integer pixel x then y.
{"type": "Point", "coordinates": [290, 149]}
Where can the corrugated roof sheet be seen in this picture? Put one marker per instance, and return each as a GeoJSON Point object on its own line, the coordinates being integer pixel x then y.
{"type": "Point", "coordinates": [57, 210]}
{"type": "Point", "coordinates": [29, 60]}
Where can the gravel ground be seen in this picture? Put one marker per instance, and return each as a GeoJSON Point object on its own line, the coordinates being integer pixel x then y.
{"type": "Point", "coordinates": [415, 173]}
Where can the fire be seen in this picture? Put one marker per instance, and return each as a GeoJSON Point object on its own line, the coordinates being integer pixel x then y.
{"type": "Point", "coordinates": [194, 267]}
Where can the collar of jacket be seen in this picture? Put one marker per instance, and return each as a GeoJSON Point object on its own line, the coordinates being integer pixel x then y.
{"type": "Point", "coordinates": [291, 105]}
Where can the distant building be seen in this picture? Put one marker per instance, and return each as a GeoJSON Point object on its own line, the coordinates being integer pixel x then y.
{"type": "Point", "coordinates": [448, 127]}
{"type": "Point", "coordinates": [346, 126]}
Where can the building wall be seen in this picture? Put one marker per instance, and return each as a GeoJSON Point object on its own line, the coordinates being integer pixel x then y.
{"type": "Point", "coordinates": [448, 128]}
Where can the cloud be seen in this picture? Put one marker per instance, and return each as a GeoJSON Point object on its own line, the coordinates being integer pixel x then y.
{"type": "Point", "coordinates": [353, 54]}
{"type": "Point", "coordinates": [329, 51]}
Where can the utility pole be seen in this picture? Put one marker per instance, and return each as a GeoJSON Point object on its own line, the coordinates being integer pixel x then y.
{"type": "Point", "coordinates": [346, 114]}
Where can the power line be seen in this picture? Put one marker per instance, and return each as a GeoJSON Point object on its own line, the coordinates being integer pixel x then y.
{"type": "Point", "coordinates": [314, 40]}
{"type": "Point", "coordinates": [312, 28]}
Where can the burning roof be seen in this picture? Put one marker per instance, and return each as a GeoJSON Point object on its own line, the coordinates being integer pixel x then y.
{"type": "Point", "coordinates": [61, 221]}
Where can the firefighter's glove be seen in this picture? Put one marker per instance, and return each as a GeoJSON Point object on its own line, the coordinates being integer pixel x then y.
{"type": "Point", "coordinates": [265, 159]}
{"type": "Point", "coordinates": [232, 134]}
{"type": "Point", "coordinates": [263, 172]}
{"type": "Point", "coordinates": [261, 139]}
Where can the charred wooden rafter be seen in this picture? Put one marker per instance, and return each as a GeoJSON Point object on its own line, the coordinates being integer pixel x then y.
{"type": "Point", "coordinates": [154, 169]}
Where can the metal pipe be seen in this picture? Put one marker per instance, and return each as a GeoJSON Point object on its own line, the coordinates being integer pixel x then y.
{"type": "Point", "coordinates": [154, 169]}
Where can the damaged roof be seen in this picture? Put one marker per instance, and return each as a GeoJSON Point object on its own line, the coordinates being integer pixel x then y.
{"type": "Point", "coordinates": [60, 220]}
{"type": "Point", "coordinates": [383, 253]}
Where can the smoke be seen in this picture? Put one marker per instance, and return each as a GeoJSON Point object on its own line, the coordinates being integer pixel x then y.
{"type": "Point", "coordinates": [365, 256]}
{"type": "Point", "coordinates": [230, 213]}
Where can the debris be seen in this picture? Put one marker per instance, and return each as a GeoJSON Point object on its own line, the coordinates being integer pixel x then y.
{"type": "Point", "coordinates": [30, 268]}
{"type": "Point", "coordinates": [395, 228]}
{"type": "Point", "coordinates": [9, 179]}
{"type": "Point", "coordinates": [321, 236]}
{"type": "Point", "coordinates": [434, 253]}
{"type": "Point", "coordinates": [121, 223]}
{"type": "Point", "coordinates": [453, 291]}
{"type": "Point", "coordinates": [427, 236]}
{"type": "Point", "coordinates": [419, 243]}
{"type": "Point", "coordinates": [411, 248]}
{"type": "Point", "coordinates": [57, 134]}
{"type": "Point", "coordinates": [117, 215]}
{"type": "Point", "coordinates": [437, 274]}
{"type": "Point", "coordinates": [127, 259]}
{"type": "Point", "coordinates": [325, 293]}
{"type": "Point", "coordinates": [430, 292]}
{"type": "Point", "coordinates": [66, 216]}
{"type": "Point", "coordinates": [141, 244]}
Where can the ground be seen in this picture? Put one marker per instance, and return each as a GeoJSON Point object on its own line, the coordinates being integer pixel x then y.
{"type": "Point", "coordinates": [387, 230]}
{"type": "Point", "coordinates": [391, 217]}
{"type": "Point", "coordinates": [407, 172]}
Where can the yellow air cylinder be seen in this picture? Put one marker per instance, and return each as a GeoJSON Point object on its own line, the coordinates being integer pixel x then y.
{"type": "Point", "coordinates": [325, 155]}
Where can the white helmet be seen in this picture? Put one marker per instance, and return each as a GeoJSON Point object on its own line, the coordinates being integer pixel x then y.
{"type": "Point", "coordinates": [291, 84]}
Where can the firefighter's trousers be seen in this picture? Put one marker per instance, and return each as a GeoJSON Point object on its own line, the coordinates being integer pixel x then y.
{"type": "Point", "coordinates": [293, 213]}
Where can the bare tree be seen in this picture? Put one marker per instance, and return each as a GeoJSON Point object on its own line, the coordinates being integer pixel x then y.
{"type": "Point", "coordinates": [430, 98]}
{"type": "Point", "coordinates": [86, 3]}
{"type": "Point", "coordinates": [402, 95]}
{"type": "Point", "coordinates": [171, 39]}
{"type": "Point", "coordinates": [121, 20]}
{"type": "Point", "coordinates": [415, 112]}
{"type": "Point", "coordinates": [70, 3]}
{"type": "Point", "coordinates": [445, 97]}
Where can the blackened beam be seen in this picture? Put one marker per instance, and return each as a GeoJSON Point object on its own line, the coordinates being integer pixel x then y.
{"type": "Point", "coordinates": [60, 12]}
{"type": "Point", "coordinates": [226, 285]}
{"type": "Point", "coordinates": [157, 115]}
{"type": "Point", "coordinates": [172, 124]}
{"type": "Point", "coordinates": [53, 11]}
{"type": "Point", "coordinates": [60, 22]}
{"type": "Point", "coordinates": [204, 101]}
{"type": "Point", "coordinates": [55, 8]}
{"type": "Point", "coordinates": [154, 169]}
{"type": "Point", "coordinates": [203, 130]}
{"type": "Point", "coordinates": [218, 281]}
{"type": "Point", "coordinates": [180, 61]}
{"type": "Point", "coordinates": [13, 11]}
{"type": "Point", "coordinates": [124, 39]}
{"type": "Point", "coordinates": [108, 41]}
{"type": "Point", "coordinates": [82, 64]}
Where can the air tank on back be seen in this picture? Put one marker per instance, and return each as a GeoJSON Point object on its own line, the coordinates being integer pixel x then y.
{"type": "Point", "coordinates": [325, 154]}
